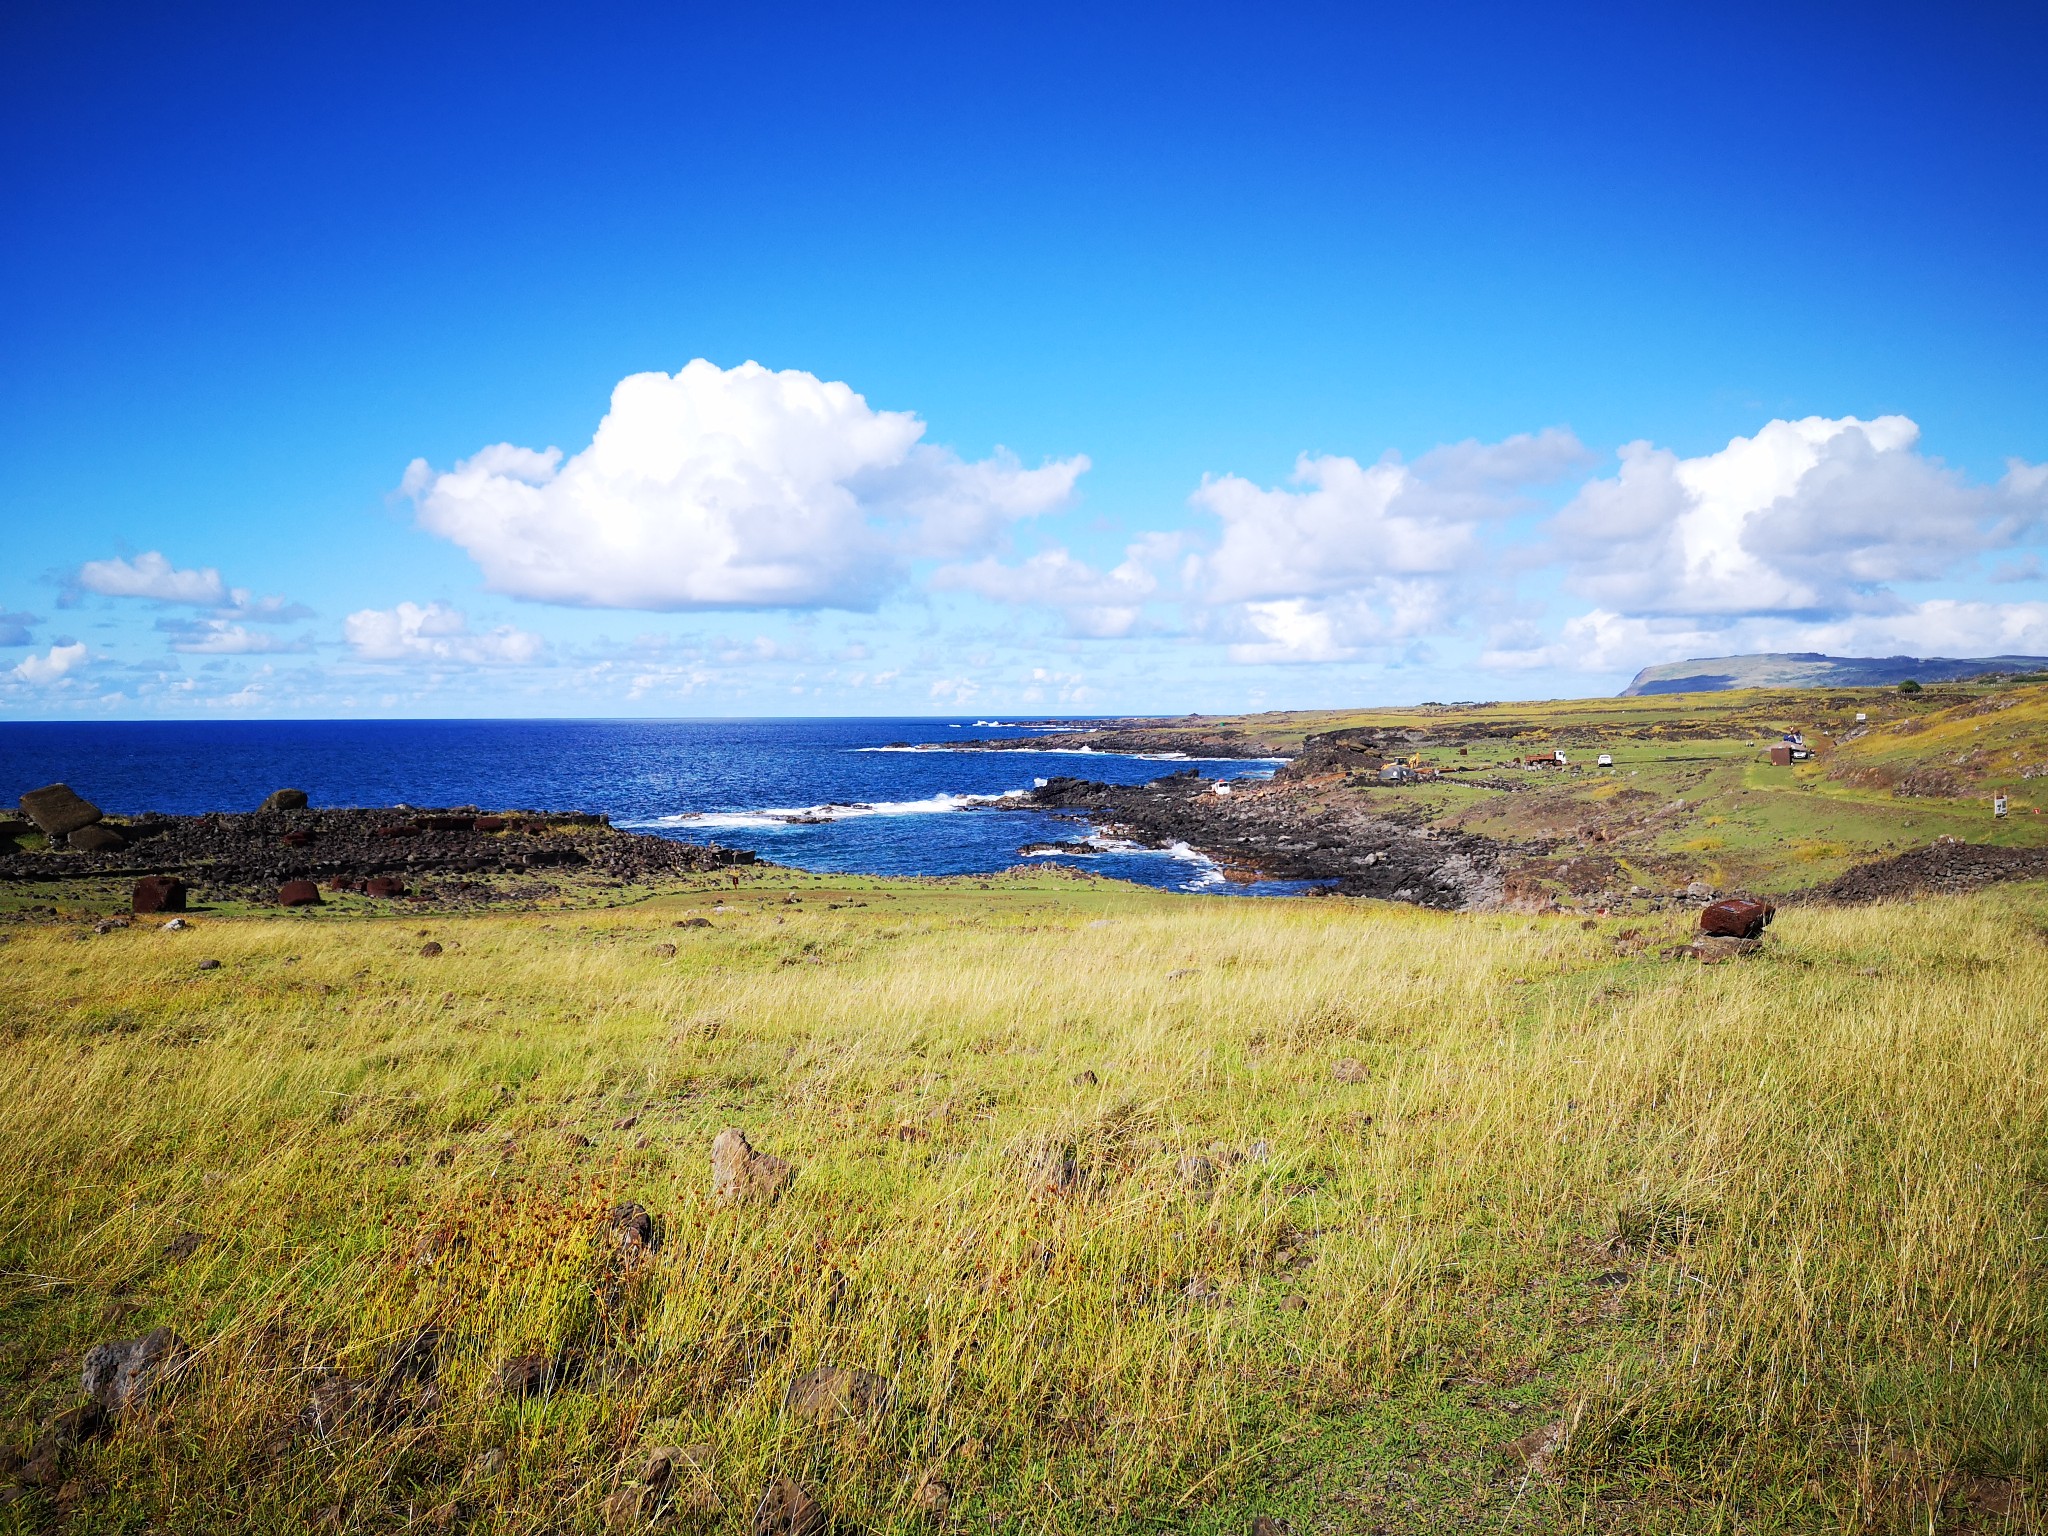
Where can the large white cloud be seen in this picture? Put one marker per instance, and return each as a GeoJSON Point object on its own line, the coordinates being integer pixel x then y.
{"type": "Point", "coordinates": [437, 634]}
{"type": "Point", "coordinates": [728, 488]}
{"type": "Point", "coordinates": [1811, 517]}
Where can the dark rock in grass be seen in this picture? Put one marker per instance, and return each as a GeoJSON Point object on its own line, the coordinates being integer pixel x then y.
{"type": "Point", "coordinates": [673, 1478]}
{"type": "Point", "coordinates": [637, 1231]}
{"type": "Point", "coordinates": [664, 951]}
{"type": "Point", "coordinates": [209, 965]}
{"type": "Point", "coordinates": [1266, 1525]}
{"type": "Point", "coordinates": [183, 1246]}
{"type": "Point", "coordinates": [1736, 917]}
{"type": "Point", "coordinates": [298, 893]}
{"type": "Point", "coordinates": [385, 887]}
{"type": "Point", "coordinates": [1198, 1173]}
{"type": "Point", "coordinates": [532, 1375]}
{"type": "Point", "coordinates": [284, 800]}
{"type": "Point", "coordinates": [97, 837]}
{"type": "Point", "coordinates": [836, 1393]}
{"type": "Point", "coordinates": [1085, 1079]}
{"type": "Point", "coordinates": [58, 811]}
{"type": "Point", "coordinates": [430, 949]}
{"type": "Point", "coordinates": [123, 1373]}
{"type": "Point", "coordinates": [158, 893]}
{"type": "Point", "coordinates": [742, 1176]}
{"type": "Point", "coordinates": [1351, 1070]}
{"type": "Point", "coordinates": [48, 1458]}
{"type": "Point", "coordinates": [694, 922]}
{"type": "Point", "coordinates": [787, 1510]}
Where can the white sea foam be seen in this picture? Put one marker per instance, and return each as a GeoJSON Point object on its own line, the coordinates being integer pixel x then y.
{"type": "Point", "coordinates": [811, 815]}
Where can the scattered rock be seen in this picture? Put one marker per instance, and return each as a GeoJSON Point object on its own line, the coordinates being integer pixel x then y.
{"type": "Point", "coordinates": [158, 893]}
{"type": "Point", "coordinates": [298, 893]}
{"type": "Point", "coordinates": [183, 1246]}
{"type": "Point", "coordinates": [96, 837]}
{"type": "Point", "coordinates": [209, 965]}
{"type": "Point", "coordinates": [1293, 1303]}
{"type": "Point", "coordinates": [1198, 1173]}
{"type": "Point", "coordinates": [430, 949]}
{"type": "Point", "coordinates": [1351, 1070]}
{"type": "Point", "coordinates": [109, 925]}
{"type": "Point", "coordinates": [1699, 890]}
{"type": "Point", "coordinates": [694, 922]}
{"type": "Point", "coordinates": [384, 886]}
{"type": "Point", "coordinates": [1736, 917]}
{"type": "Point", "coordinates": [1057, 1171]}
{"type": "Point", "coordinates": [625, 1122]}
{"type": "Point", "coordinates": [932, 1497]}
{"type": "Point", "coordinates": [835, 1393]}
{"type": "Point", "coordinates": [1259, 1152]}
{"type": "Point", "coordinates": [1200, 1288]}
{"type": "Point", "coordinates": [176, 925]}
{"type": "Point", "coordinates": [58, 811]}
{"type": "Point", "coordinates": [636, 1230]}
{"type": "Point", "coordinates": [1266, 1525]}
{"type": "Point", "coordinates": [1537, 1448]}
{"type": "Point", "coordinates": [490, 1464]}
{"type": "Point", "coordinates": [787, 1510]}
{"type": "Point", "coordinates": [740, 1175]}
{"type": "Point", "coordinates": [1085, 1080]}
{"type": "Point", "coordinates": [576, 1140]}
{"type": "Point", "coordinates": [284, 800]}
{"type": "Point", "coordinates": [664, 951]}
{"type": "Point", "coordinates": [531, 1376]}
{"type": "Point", "coordinates": [1609, 1279]}
{"type": "Point", "coordinates": [120, 1374]}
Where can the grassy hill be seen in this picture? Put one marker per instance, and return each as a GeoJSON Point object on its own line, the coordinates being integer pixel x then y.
{"type": "Point", "coordinates": [1144, 1212]}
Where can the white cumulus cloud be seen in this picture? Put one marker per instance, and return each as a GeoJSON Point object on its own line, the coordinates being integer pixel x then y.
{"type": "Point", "coordinates": [153, 576]}
{"type": "Point", "coordinates": [728, 488]}
{"type": "Point", "coordinates": [59, 662]}
{"type": "Point", "coordinates": [438, 634]}
{"type": "Point", "coordinates": [1096, 603]}
{"type": "Point", "coordinates": [1811, 517]}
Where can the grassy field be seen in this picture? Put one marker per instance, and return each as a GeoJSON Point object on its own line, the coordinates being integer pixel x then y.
{"type": "Point", "coordinates": [1753, 1247]}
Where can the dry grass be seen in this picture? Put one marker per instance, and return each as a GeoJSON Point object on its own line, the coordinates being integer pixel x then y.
{"type": "Point", "coordinates": [1832, 1161]}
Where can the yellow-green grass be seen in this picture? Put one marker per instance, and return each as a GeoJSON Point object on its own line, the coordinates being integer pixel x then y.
{"type": "Point", "coordinates": [1839, 1150]}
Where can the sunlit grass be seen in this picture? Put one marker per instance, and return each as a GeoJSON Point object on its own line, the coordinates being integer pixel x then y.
{"type": "Point", "coordinates": [1835, 1319]}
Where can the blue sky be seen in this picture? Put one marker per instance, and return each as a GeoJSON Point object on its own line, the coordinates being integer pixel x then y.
{"type": "Point", "coordinates": [1161, 360]}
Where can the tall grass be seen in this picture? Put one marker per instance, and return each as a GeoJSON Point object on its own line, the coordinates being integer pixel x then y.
{"type": "Point", "coordinates": [1828, 1314]}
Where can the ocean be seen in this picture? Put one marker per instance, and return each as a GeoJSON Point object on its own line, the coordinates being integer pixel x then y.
{"type": "Point", "coordinates": [840, 796]}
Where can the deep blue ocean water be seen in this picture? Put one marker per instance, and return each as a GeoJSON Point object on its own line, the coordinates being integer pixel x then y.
{"type": "Point", "coordinates": [864, 808]}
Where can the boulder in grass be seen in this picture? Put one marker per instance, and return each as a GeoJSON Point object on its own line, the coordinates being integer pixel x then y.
{"type": "Point", "coordinates": [158, 893]}
{"type": "Point", "coordinates": [298, 893]}
{"type": "Point", "coordinates": [787, 1510]}
{"type": "Point", "coordinates": [119, 1375]}
{"type": "Point", "coordinates": [57, 810]}
{"type": "Point", "coordinates": [95, 837]}
{"type": "Point", "coordinates": [386, 886]}
{"type": "Point", "coordinates": [742, 1176]}
{"type": "Point", "coordinates": [1736, 917]}
{"type": "Point", "coordinates": [834, 1393]}
{"type": "Point", "coordinates": [284, 800]}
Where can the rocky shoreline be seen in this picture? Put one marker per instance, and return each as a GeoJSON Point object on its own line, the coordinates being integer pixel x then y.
{"type": "Point", "coordinates": [459, 855]}
{"type": "Point", "coordinates": [1256, 828]}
